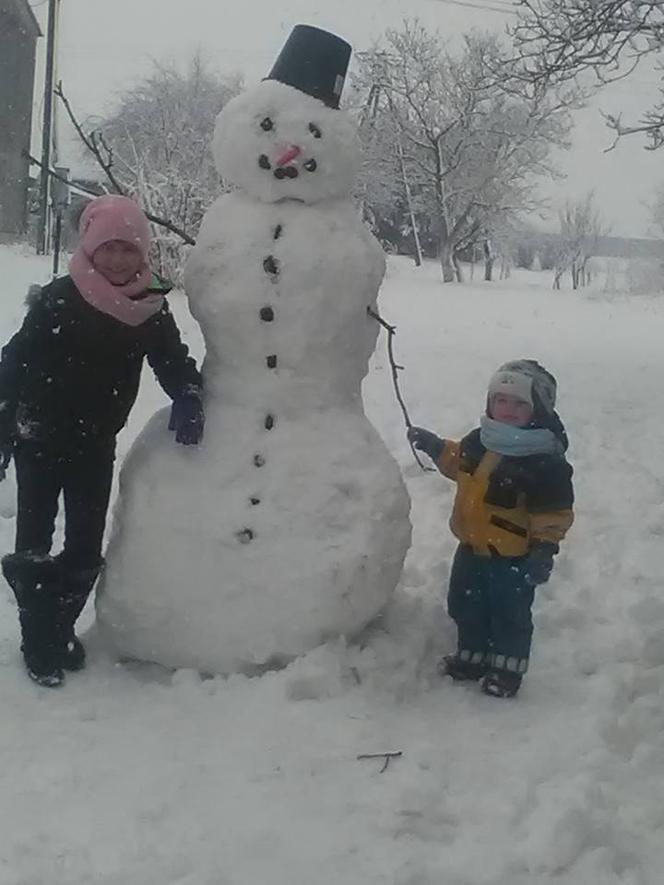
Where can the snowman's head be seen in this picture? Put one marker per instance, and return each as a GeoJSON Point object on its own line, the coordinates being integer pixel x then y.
{"type": "Point", "coordinates": [278, 143]}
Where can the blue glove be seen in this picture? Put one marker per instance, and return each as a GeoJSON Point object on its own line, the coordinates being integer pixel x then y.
{"type": "Point", "coordinates": [538, 564]}
{"type": "Point", "coordinates": [426, 442]}
{"type": "Point", "coordinates": [187, 418]}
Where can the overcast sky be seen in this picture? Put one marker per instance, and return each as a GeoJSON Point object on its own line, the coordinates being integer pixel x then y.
{"type": "Point", "coordinates": [105, 46]}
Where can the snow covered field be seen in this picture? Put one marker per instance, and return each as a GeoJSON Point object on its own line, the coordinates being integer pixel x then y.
{"type": "Point", "coordinates": [134, 776]}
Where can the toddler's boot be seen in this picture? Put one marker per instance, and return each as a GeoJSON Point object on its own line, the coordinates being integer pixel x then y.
{"type": "Point", "coordinates": [501, 683]}
{"type": "Point", "coordinates": [462, 670]}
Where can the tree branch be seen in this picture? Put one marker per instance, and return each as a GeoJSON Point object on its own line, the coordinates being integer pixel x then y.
{"type": "Point", "coordinates": [391, 332]}
{"type": "Point", "coordinates": [556, 40]}
{"type": "Point", "coordinates": [58, 177]}
{"type": "Point", "coordinates": [387, 757]}
{"type": "Point", "coordinates": [103, 154]}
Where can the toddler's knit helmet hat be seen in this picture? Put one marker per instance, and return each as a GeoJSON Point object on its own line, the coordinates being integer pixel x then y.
{"type": "Point", "coordinates": [531, 382]}
{"type": "Point", "coordinates": [528, 381]}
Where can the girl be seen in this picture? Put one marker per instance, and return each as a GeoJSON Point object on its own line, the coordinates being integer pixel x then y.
{"type": "Point", "coordinates": [68, 380]}
{"type": "Point", "coordinates": [513, 507]}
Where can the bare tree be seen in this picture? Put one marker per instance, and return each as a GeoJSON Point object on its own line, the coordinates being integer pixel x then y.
{"type": "Point", "coordinates": [385, 183]}
{"type": "Point", "coordinates": [159, 138]}
{"type": "Point", "coordinates": [466, 138]}
{"type": "Point", "coordinates": [581, 227]}
{"type": "Point", "coordinates": [558, 39]}
{"type": "Point", "coordinates": [385, 155]}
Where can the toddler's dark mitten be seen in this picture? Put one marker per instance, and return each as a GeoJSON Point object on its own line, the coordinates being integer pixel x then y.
{"type": "Point", "coordinates": [538, 564]}
{"type": "Point", "coordinates": [426, 442]}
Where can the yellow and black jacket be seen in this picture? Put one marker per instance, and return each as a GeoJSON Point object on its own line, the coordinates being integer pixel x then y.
{"type": "Point", "coordinates": [504, 506]}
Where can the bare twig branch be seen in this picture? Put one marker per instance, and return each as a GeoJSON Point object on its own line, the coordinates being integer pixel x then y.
{"type": "Point", "coordinates": [173, 228]}
{"type": "Point", "coordinates": [386, 757]}
{"type": "Point", "coordinates": [58, 177]}
{"type": "Point", "coordinates": [391, 332]}
{"type": "Point", "coordinates": [92, 142]}
{"type": "Point", "coordinates": [103, 154]}
{"type": "Point", "coordinates": [556, 40]}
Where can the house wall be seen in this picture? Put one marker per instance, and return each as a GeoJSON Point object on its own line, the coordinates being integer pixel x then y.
{"type": "Point", "coordinates": [17, 71]}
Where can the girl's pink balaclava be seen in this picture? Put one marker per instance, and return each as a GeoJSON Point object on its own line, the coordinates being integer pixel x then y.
{"type": "Point", "coordinates": [113, 217]}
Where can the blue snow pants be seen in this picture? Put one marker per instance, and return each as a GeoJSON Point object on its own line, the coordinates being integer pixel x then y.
{"type": "Point", "coordinates": [490, 601]}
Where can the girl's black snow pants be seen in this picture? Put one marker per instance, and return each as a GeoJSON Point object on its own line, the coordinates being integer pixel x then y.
{"type": "Point", "coordinates": [83, 473]}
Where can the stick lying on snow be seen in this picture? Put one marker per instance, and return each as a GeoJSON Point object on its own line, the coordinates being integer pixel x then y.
{"type": "Point", "coordinates": [386, 756]}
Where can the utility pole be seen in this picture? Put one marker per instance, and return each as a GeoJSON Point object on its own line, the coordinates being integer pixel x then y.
{"type": "Point", "coordinates": [61, 199]}
{"type": "Point", "coordinates": [47, 130]}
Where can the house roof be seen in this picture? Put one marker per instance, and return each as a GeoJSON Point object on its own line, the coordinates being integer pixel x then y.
{"type": "Point", "coordinates": [22, 12]}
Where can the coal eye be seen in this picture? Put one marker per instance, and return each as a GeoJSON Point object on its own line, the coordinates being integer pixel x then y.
{"type": "Point", "coordinates": [315, 131]}
{"type": "Point", "coordinates": [267, 124]}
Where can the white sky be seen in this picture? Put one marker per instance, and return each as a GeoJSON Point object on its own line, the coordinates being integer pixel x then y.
{"type": "Point", "coordinates": [104, 46]}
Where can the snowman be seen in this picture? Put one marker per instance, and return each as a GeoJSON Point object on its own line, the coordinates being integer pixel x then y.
{"type": "Point", "coordinates": [289, 524]}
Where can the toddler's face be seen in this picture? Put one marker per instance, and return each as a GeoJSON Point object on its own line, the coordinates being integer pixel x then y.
{"type": "Point", "coordinates": [118, 261]}
{"type": "Point", "coordinates": [510, 410]}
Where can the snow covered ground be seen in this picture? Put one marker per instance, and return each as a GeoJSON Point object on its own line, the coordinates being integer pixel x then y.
{"type": "Point", "coordinates": [135, 776]}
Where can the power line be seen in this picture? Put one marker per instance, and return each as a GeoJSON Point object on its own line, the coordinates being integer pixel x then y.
{"type": "Point", "coordinates": [481, 7]}
{"type": "Point", "coordinates": [504, 10]}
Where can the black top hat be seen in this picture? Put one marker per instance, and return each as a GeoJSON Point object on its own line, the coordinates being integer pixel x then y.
{"type": "Point", "coordinates": [315, 62]}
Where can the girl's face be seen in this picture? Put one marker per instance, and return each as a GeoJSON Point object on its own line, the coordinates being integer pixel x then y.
{"type": "Point", "coordinates": [510, 410]}
{"type": "Point", "coordinates": [118, 261]}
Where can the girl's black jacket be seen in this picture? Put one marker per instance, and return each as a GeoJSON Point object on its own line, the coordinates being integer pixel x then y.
{"type": "Point", "coordinates": [71, 373]}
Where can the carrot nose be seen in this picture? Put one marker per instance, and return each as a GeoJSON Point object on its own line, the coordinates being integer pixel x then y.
{"type": "Point", "coordinates": [288, 155]}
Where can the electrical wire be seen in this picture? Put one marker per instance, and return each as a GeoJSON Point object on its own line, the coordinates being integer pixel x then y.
{"type": "Point", "coordinates": [504, 10]}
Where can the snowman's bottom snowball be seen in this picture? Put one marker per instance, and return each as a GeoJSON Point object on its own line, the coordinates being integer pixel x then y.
{"type": "Point", "coordinates": [187, 586]}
